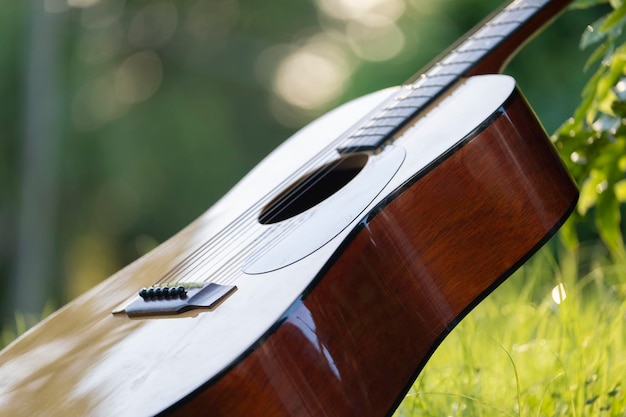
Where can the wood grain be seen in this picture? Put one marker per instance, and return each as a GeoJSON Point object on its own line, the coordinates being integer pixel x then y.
{"type": "Point", "coordinates": [354, 343]}
{"type": "Point", "coordinates": [370, 315]}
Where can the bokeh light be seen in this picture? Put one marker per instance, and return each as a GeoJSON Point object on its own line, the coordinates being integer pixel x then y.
{"type": "Point", "coordinates": [558, 293]}
{"type": "Point", "coordinates": [375, 38]}
{"type": "Point", "coordinates": [312, 75]}
{"type": "Point", "coordinates": [138, 77]}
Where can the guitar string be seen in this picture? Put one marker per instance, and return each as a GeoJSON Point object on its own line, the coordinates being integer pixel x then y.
{"type": "Point", "coordinates": [329, 153]}
{"type": "Point", "coordinates": [232, 271]}
{"type": "Point", "coordinates": [379, 107]}
{"type": "Point", "coordinates": [235, 226]}
{"type": "Point", "coordinates": [332, 145]}
{"type": "Point", "coordinates": [325, 153]}
{"type": "Point", "coordinates": [312, 162]}
{"type": "Point", "coordinates": [199, 259]}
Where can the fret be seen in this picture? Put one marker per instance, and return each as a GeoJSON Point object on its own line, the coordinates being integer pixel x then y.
{"type": "Point", "coordinates": [530, 3]}
{"type": "Point", "coordinates": [383, 122]}
{"type": "Point", "coordinates": [522, 7]}
{"type": "Point", "coordinates": [514, 15]}
{"type": "Point", "coordinates": [364, 144]}
{"type": "Point", "coordinates": [393, 120]}
{"type": "Point", "coordinates": [482, 36]}
{"type": "Point", "coordinates": [424, 93]}
{"type": "Point", "coordinates": [386, 122]}
{"type": "Point", "coordinates": [419, 93]}
{"type": "Point", "coordinates": [504, 29]}
{"type": "Point", "coordinates": [373, 131]}
{"type": "Point", "coordinates": [460, 57]}
{"type": "Point", "coordinates": [403, 111]}
{"type": "Point", "coordinates": [448, 69]}
{"type": "Point", "coordinates": [409, 102]}
{"type": "Point", "coordinates": [479, 44]}
{"type": "Point", "coordinates": [438, 81]}
{"type": "Point", "coordinates": [469, 48]}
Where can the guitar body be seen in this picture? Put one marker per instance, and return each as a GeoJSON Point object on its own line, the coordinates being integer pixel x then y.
{"type": "Point", "coordinates": [336, 308]}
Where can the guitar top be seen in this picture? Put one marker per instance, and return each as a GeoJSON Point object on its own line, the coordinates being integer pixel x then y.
{"type": "Point", "coordinates": [321, 283]}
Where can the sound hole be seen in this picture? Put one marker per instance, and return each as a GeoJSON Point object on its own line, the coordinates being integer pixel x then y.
{"type": "Point", "coordinates": [313, 188]}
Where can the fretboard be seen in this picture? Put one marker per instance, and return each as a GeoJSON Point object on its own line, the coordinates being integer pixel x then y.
{"type": "Point", "coordinates": [488, 38]}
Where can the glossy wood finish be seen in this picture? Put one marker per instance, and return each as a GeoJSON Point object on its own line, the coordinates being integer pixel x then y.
{"type": "Point", "coordinates": [343, 331]}
{"type": "Point", "coordinates": [352, 346]}
{"type": "Point", "coordinates": [85, 361]}
{"type": "Point", "coordinates": [112, 365]}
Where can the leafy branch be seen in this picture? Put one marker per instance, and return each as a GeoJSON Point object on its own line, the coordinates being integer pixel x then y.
{"type": "Point", "coordinates": [593, 141]}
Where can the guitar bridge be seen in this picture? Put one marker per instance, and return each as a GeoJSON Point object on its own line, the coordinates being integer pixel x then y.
{"type": "Point", "coordinates": [170, 300]}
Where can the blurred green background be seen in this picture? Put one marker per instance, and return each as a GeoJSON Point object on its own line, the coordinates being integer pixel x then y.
{"type": "Point", "coordinates": [122, 121]}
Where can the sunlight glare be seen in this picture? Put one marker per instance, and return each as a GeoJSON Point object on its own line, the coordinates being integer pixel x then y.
{"type": "Point", "coordinates": [558, 294]}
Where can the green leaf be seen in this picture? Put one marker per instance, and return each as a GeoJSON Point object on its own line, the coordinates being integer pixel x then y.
{"type": "Point", "coordinates": [568, 233]}
{"type": "Point", "coordinates": [608, 218]}
{"type": "Point", "coordinates": [606, 106]}
{"type": "Point", "coordinates": [582, 110]}
{"type": "Point", "coordinates": [620, 191]}
{"type": "Point", "coordinates": [599, 53]}
{"type": "Point", "coordinates": [592, 33]}
{"type": "Point", "coordinates": [584, 4]}
{"type": "Point", "coordinates": [620, 89]}
{"type": "Point", "coordinates": [621, 164]}
{"type": "Point", "coordinates": [593, 142]}
{"type": "Point", "coordinates": [588, 191]}
{"type": "Point", "coordinates": [614, 21]}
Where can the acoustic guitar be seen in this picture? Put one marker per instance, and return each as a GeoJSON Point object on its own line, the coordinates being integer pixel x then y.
{"type": "Point", "coordinates": [324, 280]}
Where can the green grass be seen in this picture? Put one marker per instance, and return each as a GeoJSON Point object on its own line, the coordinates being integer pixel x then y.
{"type": "Point", "coordinates": [519, 353]}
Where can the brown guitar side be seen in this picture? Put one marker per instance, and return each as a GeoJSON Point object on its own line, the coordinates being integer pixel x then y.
{"type": "Point", "coordinates": [354, 343]}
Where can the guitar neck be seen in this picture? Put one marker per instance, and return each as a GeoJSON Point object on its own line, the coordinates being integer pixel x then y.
{"type": "Point", "coordinates": [484, 50]}
{"type": "Point", "coordinates": [490, 44]}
